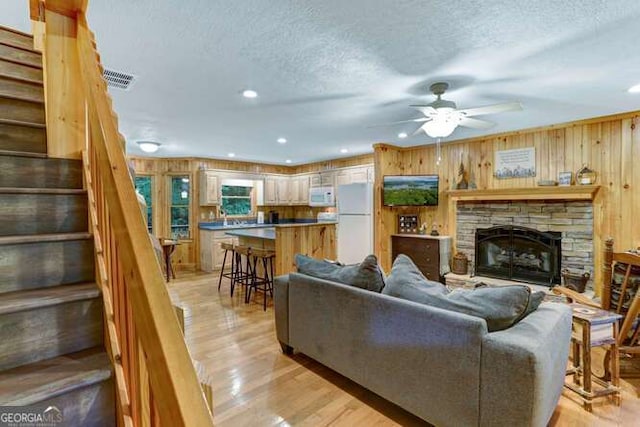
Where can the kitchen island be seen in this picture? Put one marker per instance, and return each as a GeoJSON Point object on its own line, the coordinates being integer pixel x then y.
{"type": "Point", "coordinates": [317, 240]}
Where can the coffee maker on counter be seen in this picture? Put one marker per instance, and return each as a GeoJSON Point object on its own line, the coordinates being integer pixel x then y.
{"type": "Point", "coordinates": [273, 217]}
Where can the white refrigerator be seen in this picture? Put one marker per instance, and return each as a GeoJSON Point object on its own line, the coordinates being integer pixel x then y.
{"type": "Point", "coordinates": [355, 222]}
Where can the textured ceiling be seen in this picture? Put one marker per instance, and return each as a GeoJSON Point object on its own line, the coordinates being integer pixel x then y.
{"type": "Point", "coordinates": [326, 70]}
{"type": "Point", "coordinates": [15, 14]}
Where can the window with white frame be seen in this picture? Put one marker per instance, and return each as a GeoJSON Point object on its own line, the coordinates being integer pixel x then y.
{"type": "Point", "coordinates": [237, 197]}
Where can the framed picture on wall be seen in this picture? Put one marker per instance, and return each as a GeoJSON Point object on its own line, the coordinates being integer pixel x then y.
{"type": "Point", "coordinates": [516, 163]}
{"type": "Point", "coordinates": [564, 178]}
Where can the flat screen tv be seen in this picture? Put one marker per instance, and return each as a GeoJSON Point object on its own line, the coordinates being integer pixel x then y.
{"type": "Point", "coordinates": [410, 190]}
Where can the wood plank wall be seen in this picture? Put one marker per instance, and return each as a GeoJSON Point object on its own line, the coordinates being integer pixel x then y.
{"type": "Point", "coordinates": [609, 145]}
{"type": "Point", "coordinates": [187, 254]}
{"type": "Point", "coordinates": [364, 159]}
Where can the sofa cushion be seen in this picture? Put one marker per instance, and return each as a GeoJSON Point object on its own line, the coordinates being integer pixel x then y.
{"type": "Point", "coordinates": [366, 275]}
{"type": "Point", "coordinates": [501, 307]}
{"type": "Point", "coordinates": [407, 282]}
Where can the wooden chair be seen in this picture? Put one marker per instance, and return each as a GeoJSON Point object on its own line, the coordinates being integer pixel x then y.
{"type": "Point", "coordinates": [621, 297]}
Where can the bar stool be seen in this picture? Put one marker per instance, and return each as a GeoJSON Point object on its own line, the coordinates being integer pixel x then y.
{"type": "Point", "coordinates": [228, 247]}
{"type": "Point", "coordinates": [242, 275]}
{"type": "Point", "coordinates": [264, 283]}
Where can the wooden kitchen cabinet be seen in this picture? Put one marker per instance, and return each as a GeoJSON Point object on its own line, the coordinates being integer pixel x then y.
{"type": "Point", "coordinates": [211, 252]}
{"type": "Point", "coordinates": [303, 192]}
{"type": "Point", "coordinates": [299, 190]}
{"type": "Point", "coordinates": [359, 175]}
{"type": "Point", "coordinates": [429, 253]}
{"type": "Point", "coordinates": [323, 179]}
{"type": "Point", "coordinates": [343, 178]}
{"type": "Point", "coordinates": [208, 188]}
{"type": "Point", "coordinates": [270, 191]}
{"type": "Point", "coordinates": [286, 190]}
{"type": "Point", "coordinates": [283, 195]}
{"type": "Point", "coordinates": [352, 176]}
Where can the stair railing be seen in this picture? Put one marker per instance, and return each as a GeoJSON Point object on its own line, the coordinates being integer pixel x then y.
{"type": "Point", "coordinates": [156, 383]}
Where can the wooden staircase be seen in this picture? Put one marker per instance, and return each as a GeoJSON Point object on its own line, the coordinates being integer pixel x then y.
{"type": "Point", "coordinates": [51, 311]}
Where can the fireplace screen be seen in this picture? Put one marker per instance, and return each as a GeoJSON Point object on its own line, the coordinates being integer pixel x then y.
{"type": "Point", "coordinates": [519, 253]}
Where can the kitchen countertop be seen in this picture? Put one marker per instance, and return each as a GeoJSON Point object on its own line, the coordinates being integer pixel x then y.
{"type": "Point", "coordinates": [266, 233]}
{"type": "Point", "coordinates": [307, 224]}
{"type": "Point", "coordinates": [216, 227]}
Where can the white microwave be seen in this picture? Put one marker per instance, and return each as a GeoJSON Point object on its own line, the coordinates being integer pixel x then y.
{"type": "Point", "coordinates": [322, 196]}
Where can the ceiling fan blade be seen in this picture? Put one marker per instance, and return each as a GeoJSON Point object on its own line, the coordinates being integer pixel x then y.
{"type": "Point", "coordinates": [475, 123]}
{"type": "Point", "coordinates": [491, 109]}
{"type": "Point", "coordinates": [417, 131]}
{"type": "Point", "coordinates": [418, 120]}
{"type": "Point", "coordinates": [427, 110]}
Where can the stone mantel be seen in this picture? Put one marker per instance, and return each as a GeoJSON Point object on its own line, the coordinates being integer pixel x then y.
{"type": "Point", "coordinates": [541, 194]}
{"type": "Point", "coordinates": [572, 192]}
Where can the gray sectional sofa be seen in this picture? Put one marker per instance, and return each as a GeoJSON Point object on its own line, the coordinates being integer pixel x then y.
{"type": "Point", "coordinates": [442, 366]}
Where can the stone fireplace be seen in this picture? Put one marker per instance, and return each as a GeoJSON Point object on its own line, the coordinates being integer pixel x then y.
{"type": "Point", "coordinates": [566, 224]}
{"type": "Point", "coordinates": [518, 253]}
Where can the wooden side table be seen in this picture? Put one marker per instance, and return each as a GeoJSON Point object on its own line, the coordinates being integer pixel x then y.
{"type": "Point", "coordinates": [593, 327]}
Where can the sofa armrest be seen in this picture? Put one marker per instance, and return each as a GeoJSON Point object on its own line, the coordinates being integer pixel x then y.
{"type": "Point", "coordinates": [281, 307]}
{"type": "Point", "coordinates": [523, 368]}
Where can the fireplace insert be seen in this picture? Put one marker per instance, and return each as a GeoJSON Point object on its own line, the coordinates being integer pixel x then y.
{"type": "Point", "coordinates": [519, 253]}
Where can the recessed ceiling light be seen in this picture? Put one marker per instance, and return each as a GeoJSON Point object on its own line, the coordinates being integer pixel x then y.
{"type": "Point", "coordinates": [149, 146]}
{"type": "Point", "coordinates": [402, 135]}
{"type": "Point", "coordinates": [634, 89]}
{"type": "Point", "coordinates": [287, 161]}
{"type": "Point", "coordinates": [249, 93]}
{"type": "Point", "coordinates": [231, 154]}
{"type": "Point", "coordinates": [282, 140]}
{"type": "Point", "coordinates": [344, 150]}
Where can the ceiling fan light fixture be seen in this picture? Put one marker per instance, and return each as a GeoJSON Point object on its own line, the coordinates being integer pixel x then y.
{"type": "Point", "coordinates": [441, 127]}
{"type": "Point", "coordinates": [634, 89]}
{"type": "Point", "coordinates": [148, 146]}
{"type": "Point", "coordinates": [402, 135]}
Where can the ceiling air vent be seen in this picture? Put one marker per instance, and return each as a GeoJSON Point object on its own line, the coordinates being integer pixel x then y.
{"type": "Point", "coordinates": [118, 79]}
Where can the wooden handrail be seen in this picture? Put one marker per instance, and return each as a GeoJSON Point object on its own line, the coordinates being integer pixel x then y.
{"type": "Point", "coordinates": [155, 378]}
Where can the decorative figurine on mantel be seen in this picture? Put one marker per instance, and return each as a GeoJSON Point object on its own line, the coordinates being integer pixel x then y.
{"type": "Point", "coordinates": [585, 176]}
{"type": "Point", "coordinates": [465, 180]}
{"type": "Point", "coordinates": [463, 183]}
{"type": "Point", "coordinates": [434, 230]}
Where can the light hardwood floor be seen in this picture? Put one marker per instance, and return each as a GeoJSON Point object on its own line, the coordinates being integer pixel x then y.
{"type": "Point", "coordinates": [254, 384]}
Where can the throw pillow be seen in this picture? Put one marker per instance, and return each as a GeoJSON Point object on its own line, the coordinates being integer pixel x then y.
{"type": "Point", "coordinates": [501, 307]}
{"type": "Point", "coordinates": [406, 281]}
{"type": "Point", "coordinates": [366, 275]}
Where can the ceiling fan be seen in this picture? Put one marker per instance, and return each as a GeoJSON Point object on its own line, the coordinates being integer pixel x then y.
{"type": "Point", "coordinates": [442, 117]}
